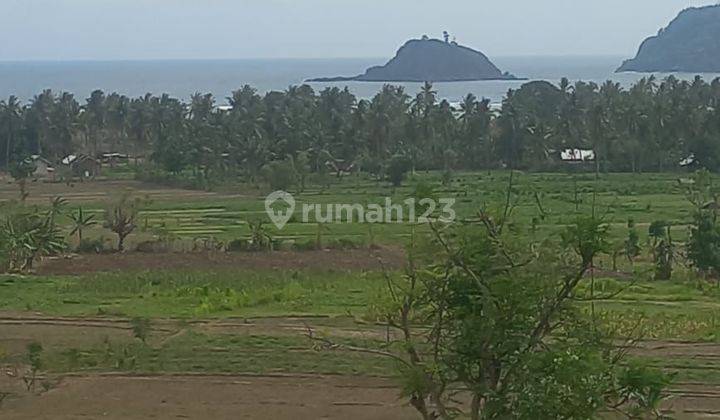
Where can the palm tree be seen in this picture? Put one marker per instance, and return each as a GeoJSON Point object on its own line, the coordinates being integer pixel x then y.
{"type": "Point", "coordinates": [11, 120]}
{"type": "Point", "coordinates": [65, 126]}
{"type": "Point", "coordinates": [96, 109]}
{"type": "Point", "coordinates": [140, 123]}
{"type": "Point", "coordinates": [118, 109]}
{"type": "Point", "coordinates": [41, 108]}
{"type": "Point", "coordinates": [81, 221]}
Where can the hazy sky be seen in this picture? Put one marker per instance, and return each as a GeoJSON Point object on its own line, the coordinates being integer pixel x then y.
{"type": "Point", "coordinates": [147, 29]}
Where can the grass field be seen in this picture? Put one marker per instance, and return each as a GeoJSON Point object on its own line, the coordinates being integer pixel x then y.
{"type": "Point", "coordinates": [248, 316]}
{"type": "Point", "coordinates": [224, 215]}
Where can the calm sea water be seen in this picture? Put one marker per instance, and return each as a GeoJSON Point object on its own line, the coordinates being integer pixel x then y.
{"type": "Point", "coordinates": [182, 78]}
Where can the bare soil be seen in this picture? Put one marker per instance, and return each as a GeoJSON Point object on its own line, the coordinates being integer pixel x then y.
{"type": "Point", "coordinates": [212, 397]}
{"type": "Point", "coordinates": [349, 260]}
{"type": "Point", "coordinates": [41, 192]}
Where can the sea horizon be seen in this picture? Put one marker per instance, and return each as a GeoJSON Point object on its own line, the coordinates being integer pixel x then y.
{"type": "Point", "coordinates": [182, 77]}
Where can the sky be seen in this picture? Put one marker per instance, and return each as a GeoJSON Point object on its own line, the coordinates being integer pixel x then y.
{"type": "Point", "coordinates": [236, 29]}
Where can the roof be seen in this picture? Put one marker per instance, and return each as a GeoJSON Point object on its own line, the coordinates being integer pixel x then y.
{"type": "Point", "coordinates": [73, 159]}
{"type": "Point", "coordinates": [38, 158]}
{"type": "Point", "coordinates": [577, 155]}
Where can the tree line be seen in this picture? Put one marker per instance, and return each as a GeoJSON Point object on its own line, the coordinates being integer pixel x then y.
{"type": "Point", "coordinates": [650, 126]}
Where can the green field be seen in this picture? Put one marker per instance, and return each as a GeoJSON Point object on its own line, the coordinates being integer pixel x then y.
{"type": "Point", "coordinates": [619, 198]}
{"type": "Point", "coordinates": [184, 307]}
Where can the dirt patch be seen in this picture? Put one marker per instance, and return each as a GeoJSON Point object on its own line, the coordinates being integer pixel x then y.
{"type": "Point", "coordinates": [213, 397]}
{"type": "Point", "coordinates": [296, 397]}
{"type": "Point", "coordinates": [98, 191]}
{"type": "Point", "coordinates": [233, 396]}
{"type": "Point", "coordinates": [354, 260]}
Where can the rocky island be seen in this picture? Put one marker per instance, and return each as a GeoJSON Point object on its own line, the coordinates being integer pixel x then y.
{"type": "Point", "coordinates": [431, 60]}
{"type": "Point", "coordinates": [691, 43]}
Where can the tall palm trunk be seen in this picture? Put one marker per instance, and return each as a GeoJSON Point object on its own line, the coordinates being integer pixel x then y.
{"type": "Point", "coordinates": [8, 148]}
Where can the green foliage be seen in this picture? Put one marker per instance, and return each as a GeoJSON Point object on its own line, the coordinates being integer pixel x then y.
{"type": "Point", "coordinates": [301, 166]}
{"type": "Point", "coordinates": [33, 356]}
{"type": "Point", "coordinates": [21, 171]}
{"type": "Point", "coordinates": [588, 237]}
{"type": "Point", "coordinates": [260, 238]}
{"type": "Point", "coordinates": [90, 246]}
{"type": "Point", "coordinates": [632, 129]}
{"type": "Point", "coordinates": [397, 169]}
{"type": "Point", "coordinates": [141, 328]}
{"type": "Point", "coordinates": [703, 247]}
{"type": "Point", "coordinates": [121, 216]}
{"type": "Point", "coordinates": [645, 389]}
{"type": "Point", "coordinates": [81, 221]}
{"type": "Point", "coordinates": [632, 243]}
{"type": "Point", "coordinates": [280, 175]}
{"type": "Point", "coordinates": [25, 237]}
{"type": "Point", "coordinates": [447, 178]}
{"type": "Point", "coordinates": [563, 383]}
{"type": "Point", "coordinates": [663, 249]}
{"type": "Point", "coordinates": [507, 333]}
{"type": "Point", "coordinates": [422, 193]}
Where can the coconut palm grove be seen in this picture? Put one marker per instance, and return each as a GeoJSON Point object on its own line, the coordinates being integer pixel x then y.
{"type": "Point", "coordinates": [653, 126]}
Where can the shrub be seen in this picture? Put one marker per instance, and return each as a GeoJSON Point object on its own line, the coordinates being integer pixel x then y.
{"type": "Point", "coordinates": [704, 244]}
{"type": "Point", "coordinates": [397, 169]}
{"type": "Point", "coordinates": [280, 175]}
{"type": "Point", "coordinates": [90, 246]}
{"type": "Point", "coordinates": [238, 245]}
{"type": "Point", "coordinates": [25, 237]}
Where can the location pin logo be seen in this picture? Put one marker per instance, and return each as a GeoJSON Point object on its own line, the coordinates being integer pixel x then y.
{"type": "Point", "coordinates": [280, 218]}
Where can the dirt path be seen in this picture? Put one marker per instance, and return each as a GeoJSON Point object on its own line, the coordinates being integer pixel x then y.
{"type": "Point", "coordinates": [358, 259]}
{"type": "Point", "coordinates": [17, 330]}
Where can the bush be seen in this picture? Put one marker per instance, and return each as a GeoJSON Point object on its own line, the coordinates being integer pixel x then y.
{"type": "Point", "coordinates": [26, 237]}
{"type": "Point", "coordinates": [90, 246]}
{"type": "Point", "coordinates": [238, 245]}
{"type": "Point", "coordinates": [397, 169]}
{"type": "Point", "coordinates": [704, 244]}
{"type": "Point", "coordinates": [280, 175]}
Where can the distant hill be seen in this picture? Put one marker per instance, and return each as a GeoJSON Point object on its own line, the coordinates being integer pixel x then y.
{"type": "Point", "coordinates": [430, 60]}
{"type": "Point", "coordinates": [691, 43]}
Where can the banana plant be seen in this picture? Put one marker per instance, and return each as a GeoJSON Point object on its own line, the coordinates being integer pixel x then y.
{"type": "Point", "coordinates": [81, 221]}
{"type": "Point", "coordinates": [26, 237]}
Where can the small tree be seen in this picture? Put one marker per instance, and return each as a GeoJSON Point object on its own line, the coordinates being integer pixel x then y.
{"type": "Point", "coordinates": [397, 169]}
{"type": "Point", "coordinates": [121, 216]}
{"type": "Point", "coordinates": [501, 335]}
{"type": "Point", "coordinates": [21, 171]}
{"type": "Point", "coordinates": [320, 234]}
{"type": "Point", "coordinates": [260, 238]}
{"type": "Point", "coordinates": [423, 193]}
{"type": "Point", "coordinates": [141, 328]}
{"type": "Point", "coordinates": [703, 248]}
{"type": "Point", "coordinates": [34, 359]}
{"type": "Point", "coordinates": [632, 243]}
{"type": "Point", "coordinates": [663, 249]}
{"type": "Point", "coordinates": [301, 165]}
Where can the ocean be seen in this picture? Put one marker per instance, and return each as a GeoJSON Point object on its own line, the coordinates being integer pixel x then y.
{"type": "Point", "coordinates": [182, 78]}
